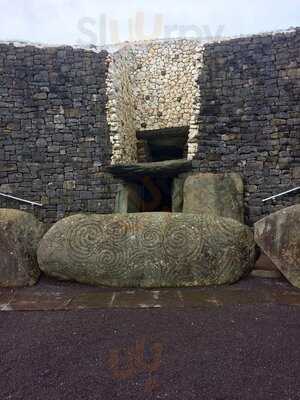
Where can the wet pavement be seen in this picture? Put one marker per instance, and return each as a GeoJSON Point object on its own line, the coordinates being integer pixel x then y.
{"type": "Point", "coordinates": [239, 342]}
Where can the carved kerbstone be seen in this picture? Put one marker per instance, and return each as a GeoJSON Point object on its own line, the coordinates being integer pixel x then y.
{"type": "Point", "coordinates": [147, 250]}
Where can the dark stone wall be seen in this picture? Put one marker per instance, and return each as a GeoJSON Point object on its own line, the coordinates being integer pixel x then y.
{"type": "Point", "coordinates": [54, 139]}
{"type": "Point", "coordinates": [53, 130]}
{"type": "Point", "coordinates": [250, 115]}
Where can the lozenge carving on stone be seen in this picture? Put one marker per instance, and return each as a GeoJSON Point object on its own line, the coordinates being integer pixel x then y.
{"type": "Point", "coordinates": [147, 250]}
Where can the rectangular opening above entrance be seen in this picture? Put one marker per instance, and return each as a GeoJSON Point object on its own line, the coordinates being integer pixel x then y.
{"type": "Point", "coordinates": [162, 145]}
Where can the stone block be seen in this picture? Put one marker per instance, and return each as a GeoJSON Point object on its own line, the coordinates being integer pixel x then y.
{"type": "Point", "coordinates": [218, 194]}
{"type": "Point", "coordinates": [278, 235]}
{"type": "Point", "coordinates": [20, 234]}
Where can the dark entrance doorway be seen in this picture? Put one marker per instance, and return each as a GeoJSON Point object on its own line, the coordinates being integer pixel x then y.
{"type": "Point", "coordinates": [154, 185]}
{"type": "Point", "coordinates": [153, 194]}
{"type": "Point", "coordinates": [146, 194]}
{"type": "Point", "coordinates": [163, 144]}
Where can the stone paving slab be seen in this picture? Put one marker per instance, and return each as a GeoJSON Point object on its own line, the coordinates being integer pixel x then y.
{"type": "Point", "coordinates": [51, 295]}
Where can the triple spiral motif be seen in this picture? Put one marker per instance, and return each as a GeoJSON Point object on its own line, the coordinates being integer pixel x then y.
{"type": "Point", "coordinates": [164, 246]}
{"type": "Point", "coordinates": [117, 241]}
{"type": "Point", "coordinates": [83, 239]}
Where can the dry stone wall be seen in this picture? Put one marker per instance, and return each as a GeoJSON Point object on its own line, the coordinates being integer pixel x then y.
{"type": "Point", "coordinates": [153, 85]}
{"type": "Point", "coordinates": [65, 113]}
{"type": "Point", "coordinates": [53, 129]}
{"type": "Point", "coordinates": [249, 120]}
{"type": "Point", "coordinates": [120, 106]}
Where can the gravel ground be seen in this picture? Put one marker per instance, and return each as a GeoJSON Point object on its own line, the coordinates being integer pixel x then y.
{"type": "Point", "coordinates": [229, 352]}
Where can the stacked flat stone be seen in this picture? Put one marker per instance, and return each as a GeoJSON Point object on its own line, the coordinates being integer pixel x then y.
{"type": "Point", "coordinates": [250, 115]}
{"type": "Point", "coordinates": [152, 85]}
{"type": "Point", "coordinates": [53, 129]}
{"type": "Point", "coordinates": [65, 113]}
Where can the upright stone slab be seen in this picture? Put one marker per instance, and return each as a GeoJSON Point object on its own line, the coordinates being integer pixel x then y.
{"type": "Point", "coordinates": [278, 235]}
{"type": "Point", "coordinates": [147, 250]}
{"type": "Point", "coordinates": [214, 194]}
{"type": "Point", "coordinates": [20, 233]}
{"type": "Point", "coordinates": [177, 192]}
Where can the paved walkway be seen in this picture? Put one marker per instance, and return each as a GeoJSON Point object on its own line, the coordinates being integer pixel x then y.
{"type": "Point", "coordinates": [50, 295]}
{"type": "Point", "coordinates": [207, 350]}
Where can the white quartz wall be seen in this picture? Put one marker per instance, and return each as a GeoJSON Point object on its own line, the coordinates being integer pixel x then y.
{"type": "Point", "coordinates": [151, 86]}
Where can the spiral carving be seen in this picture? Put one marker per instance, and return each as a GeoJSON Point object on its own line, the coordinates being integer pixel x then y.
{"type": "Point", "coordinates": [118, 230]}
{"type": "Point", "coordinates": [83, 239]}
{"type": "Point", "coordinates": [151, 237]}
{"type": "Point", "coordinates": [179, 240]}
{"type": "Point", "coordinates": [151, 250]}
{"type": "Point", "coordinates": [111, 257]}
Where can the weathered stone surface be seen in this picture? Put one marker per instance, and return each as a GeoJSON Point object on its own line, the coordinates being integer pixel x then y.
{"type": "Point", "coordinates": [218, 194]}
{"type": "Point", "coordinates": [278, 235]}
{"type": "Point", "coordinates": [152, 86]}
{"type": "Point", "coordinates": [20, 234]}
{"type": "Point", "coordinates": [147, 250]}
{"type": "Point", "coordinates": [162, 168]}
{"type": "Point", "coordinates": [54, 131]}
{"type": "Point", "coordinates": [177, 194]}
{"type": "Point", "coordinates": [66, 113]}
{"type": "Point", "coordinates": [177, 191]}
{"type": "Point", "coordinates": [127, 199]}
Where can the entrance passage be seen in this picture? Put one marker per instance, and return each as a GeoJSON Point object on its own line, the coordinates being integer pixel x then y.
{"type": "Point", "coordinates": [152, 194]}
{"type": "Point", "coordinates": [146, 194]}
{"type": "Point", "coordinates": [150, 187]}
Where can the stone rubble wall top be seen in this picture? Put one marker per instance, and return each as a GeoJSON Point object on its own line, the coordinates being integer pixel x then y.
{"type": "Point", "coordinates": [112, 48]}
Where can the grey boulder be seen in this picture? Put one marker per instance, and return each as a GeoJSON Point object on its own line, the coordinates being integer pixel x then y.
{"type": "Point", "coordinates": [278, 235]}
{"type": "Point", "coordinates": [20, 233]}
{"type": "Point", "coordinates": [147, 250]}
{"type": "Point", "coordinates": [218, 194]}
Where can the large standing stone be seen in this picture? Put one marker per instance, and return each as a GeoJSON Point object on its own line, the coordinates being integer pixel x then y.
{"type": "Point", "coordinates": [278, 235]}
{"type": "Point", "coordinates": [147, 250]}
{"type": "Point", "coordinates": [217, 194]}
{"type": "Point", "coordinates": [20, 233]}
